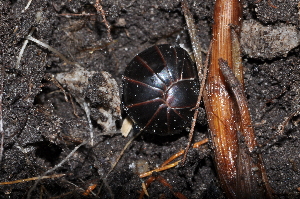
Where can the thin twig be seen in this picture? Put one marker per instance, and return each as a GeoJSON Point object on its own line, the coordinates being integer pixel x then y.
{"type": "Point", "coordinates": [54, 168]}
{"type": "Point", "coordinates": [117, 160]}
{"type": "Point", "coordinates": [29, 37]}
{"type": "Point", "coordinates": [57, 84]}
{"type": "Point", "coordinates": [86, 108]}
{"type": "Point", "coordinates": [76, 15]}
{"type": "Point", "coordinates": [196, 44]}
{"type": "Point", "coordinates": [27, 6]}
{"type": "Point", "coordinates": [166, 164]}
{"type": "Point", "coordinates": [198, 103]}
{"type": "Point", "coordinates": [23, 48]}
{"type": "Point", "coordinates": [99, 8]}
{"type": "Point", "coordinates": [280, 131]}
{"type": "Point", "coordinates": [202, 70]}
{"type": "Point", "coordinates": [37, 21]}
{"type": "Point", "coordinates": [31, 179]}
{"type": "Point", "coordinates": [122, 152]}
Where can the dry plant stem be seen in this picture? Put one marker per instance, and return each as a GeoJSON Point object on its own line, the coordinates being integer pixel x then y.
{"type": "Point", "coordinates": [87, 110]}
{"type": "Point", "coordinates": [99, 8]}
{"type": "Point", "coordinates": [29, 37]}
{"type": "Point", "coordinates": [73, 106]}
{"type": "Point", "coordinates": [166, 164]}
{"type": "Point", "coordinates": [239, 170]}
{"type": "Point", "coordinates": [202, 70]}
{"type": "Point", "coordinates": [194, 39]}
{"type": "Point", "coordinates": [76, 15]}
{"type": "Point", "coordinates": [90, 190]}
{"type": "Point", "coordinates": [217, 101]}
{"type": "Point", "coordinates": [174, 164]}
{"type": "Point", "coordinates": [107, 186]}
{"type": "Point", "coordinates": [65, 194]}
{"type": "Point", "coordinates": [246, 161]}
{"type": "Point", "coordinates": [196, 145]}
{"type": "Point", "coordinates": [23, 48]}
{"type": "Point", "coordinates": [31, 179]}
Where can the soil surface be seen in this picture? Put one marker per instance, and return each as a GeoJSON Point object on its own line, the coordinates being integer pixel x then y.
{"type": "Point", "coordinates": [41, 127]}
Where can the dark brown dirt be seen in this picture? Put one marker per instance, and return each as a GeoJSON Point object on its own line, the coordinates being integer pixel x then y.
{"type": "Point", "coordinates": [41, 129]}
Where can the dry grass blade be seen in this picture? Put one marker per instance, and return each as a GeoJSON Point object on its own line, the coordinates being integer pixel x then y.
{"type": "Point", "coordinates": [31, 179]}
{"type": "Point", "coordinates": [202, 69]}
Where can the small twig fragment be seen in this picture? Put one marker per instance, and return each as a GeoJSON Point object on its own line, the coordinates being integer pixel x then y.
{"type": "Point", "coordinates": [27, 6]}
{"type": "Point", "coordinates": [76, 15]}
{"type": "Point", "coordinates": [29, 37]}
{"type": "Point", "coordinates": [166, 164]}
{"type": "Point", "coordinates": [31, 179]}
{"type": "Point", "coordinates": [202, 70]}
{"type": "Point", "coordinates": [23, 48]}
{"type": "Point", "coordinates": [121, 154]}
{"type": "Point", "coordinates": [99, 8]}
{"type": "Point", "coordinates": [145, 189]}
{"type": "Point", "coordinates": [89, 189]}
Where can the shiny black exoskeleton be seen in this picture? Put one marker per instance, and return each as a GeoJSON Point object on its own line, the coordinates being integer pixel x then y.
{"type": "Point", "coordinates": [160, 88]}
